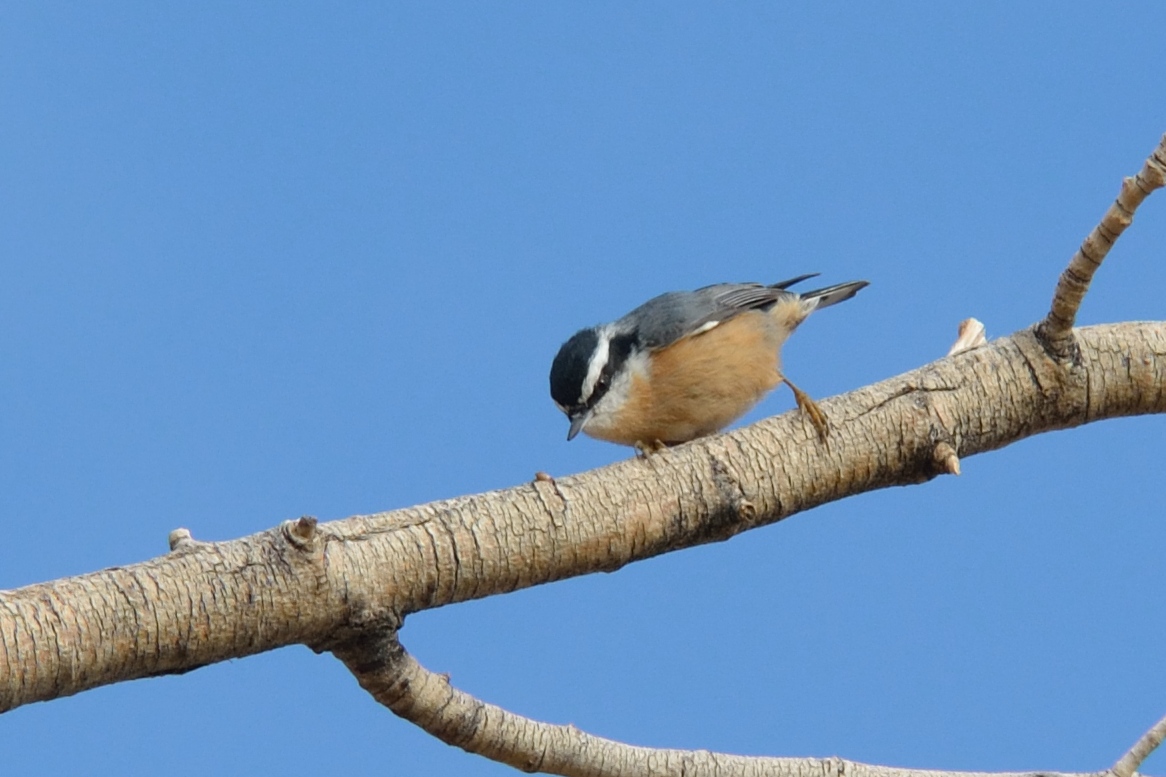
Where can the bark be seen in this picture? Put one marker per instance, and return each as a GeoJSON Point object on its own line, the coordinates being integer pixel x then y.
{"type": "Point", "coordinates": [347, 586]}
{"type": "Point", "coordinates": [324, 585]}
{"type": "Point", "coordinates": [396, 680]}
{"type": "Point", "coordinates": [1056, 329]}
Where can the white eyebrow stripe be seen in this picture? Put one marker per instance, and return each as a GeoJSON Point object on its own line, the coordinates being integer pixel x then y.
{"type": "Point", "coordinates": [596, 365]}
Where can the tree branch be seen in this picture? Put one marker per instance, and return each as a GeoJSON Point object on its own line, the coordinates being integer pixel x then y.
{"type": "Point", "coordinates": [1128, 764]}
{"type": "Point", "coordinates": [1057, 328]}
{"type": "Point", "coordinates": [396, 680]}
{"type": "Point", "coordinates": [347, 586]}
{"type": "Point", "coordinates": [322, 585]}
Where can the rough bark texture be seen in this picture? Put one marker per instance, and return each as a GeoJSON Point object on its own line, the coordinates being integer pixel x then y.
{"type": "Point", "coordinates": [347, 586]}
{"type": "Point", "coordinates": [396, 680]}
{"type": "Point", "coordinates": [325, 585]}
{"type": "Point", "coordinates": [1056, 331]}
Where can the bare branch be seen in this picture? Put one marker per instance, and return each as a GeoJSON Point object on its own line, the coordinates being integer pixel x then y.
{"type": "Point", "coordinates": [322, 585]}
{"type": "Point", "coordinates": [1056, 330]}
{"type": "Point", "coordinates": [1128, 764]}
{"type": "Point", "coordinates": [346, 586]}
{"type": "Point", "coordinates": [427, 699]}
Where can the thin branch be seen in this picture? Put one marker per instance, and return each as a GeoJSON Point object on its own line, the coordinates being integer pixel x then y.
{"type": "Point", "coordinates": [1056, 329]}
{"type": "Point", "coordinates": [346, 586]}
{"type": "Point", "coordinates": [1128, 764]}
{"type": "Point", "coordinates": [395, 679]}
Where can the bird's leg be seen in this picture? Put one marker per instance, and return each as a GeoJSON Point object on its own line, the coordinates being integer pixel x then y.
{"type": "Point", "coordinates": [811, 409]}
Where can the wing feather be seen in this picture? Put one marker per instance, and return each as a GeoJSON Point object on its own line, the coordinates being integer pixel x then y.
{"type": "Point", "coordinates": [665, 319]}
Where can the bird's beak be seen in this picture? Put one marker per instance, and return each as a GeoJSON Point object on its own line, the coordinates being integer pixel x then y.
{"type": "Point", "coordinates": [578, 421]}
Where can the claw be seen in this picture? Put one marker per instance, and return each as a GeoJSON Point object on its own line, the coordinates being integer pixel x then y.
{"type": "Point", "coordinates": [646, 449]}
{"type": "Point", "coordinates": [811, 409]}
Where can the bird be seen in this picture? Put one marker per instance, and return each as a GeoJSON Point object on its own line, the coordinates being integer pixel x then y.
{"type": "Point", "coordinates": [685, 364]}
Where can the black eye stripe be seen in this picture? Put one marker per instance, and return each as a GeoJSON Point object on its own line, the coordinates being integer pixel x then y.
{"type": "Point", "coordinates": [569, 368]}
{"type": "Point", "coordinates": [572, 365]}
{"type": "Point", "coordinates": [619, 349]}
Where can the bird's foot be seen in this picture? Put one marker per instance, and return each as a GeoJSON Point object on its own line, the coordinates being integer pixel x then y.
{"type": "Point", "coordinates": [646, 449]}
{"type": "Point", "coordinates": [811, 409]}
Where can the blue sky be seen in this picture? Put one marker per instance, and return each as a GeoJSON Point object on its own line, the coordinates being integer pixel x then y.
{"type": "Point", "coordinates": [268, 260]}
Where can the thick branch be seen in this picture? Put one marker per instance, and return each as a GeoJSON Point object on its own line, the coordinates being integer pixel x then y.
{"type": "Point", "coordinates": [1056, 329]}
{"type": "Point", "coordinates": [320, 586]}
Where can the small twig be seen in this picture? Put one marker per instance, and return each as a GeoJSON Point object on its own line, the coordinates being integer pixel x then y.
{"type": "Point", "coordinates": [181, 539]}
{"type": "Point", "coordinates": [946, 459]}
{"type": "Point", "coordinates": [970, 335]}
{"type": "Point", "coordinates": [1128, 764]}
{"type": "Point", "coordinates": [301, 532]}
{"type": "Point", "coordinates": [1056, 329]}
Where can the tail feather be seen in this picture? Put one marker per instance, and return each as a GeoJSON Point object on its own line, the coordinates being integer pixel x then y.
{"type": "Point", "coordinates": [833, 294]}
{"type": "Point", "coordinates": [786, 284]}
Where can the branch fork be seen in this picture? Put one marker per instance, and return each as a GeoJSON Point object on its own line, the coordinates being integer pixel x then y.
{"type": "Point", "coordinates": [345, 586]}
{"type": "Point", "coordinates": [394, 678]}
{"type": "Point", "coordinates": [1056, 331]}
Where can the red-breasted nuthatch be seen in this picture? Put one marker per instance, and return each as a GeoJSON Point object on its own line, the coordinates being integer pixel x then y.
{"type": "Point", "coordinates": [685, 364]}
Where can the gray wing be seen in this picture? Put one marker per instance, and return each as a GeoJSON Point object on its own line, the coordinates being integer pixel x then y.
{"type": "Point", "coordinates": [665, 319]}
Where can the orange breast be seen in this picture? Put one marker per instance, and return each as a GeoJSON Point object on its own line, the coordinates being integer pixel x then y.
{"type": "Point", "coordinates": [701, 384]}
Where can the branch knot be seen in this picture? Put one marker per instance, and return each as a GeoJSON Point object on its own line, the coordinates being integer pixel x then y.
{"type": "Point", "coordinates": [301, 533]}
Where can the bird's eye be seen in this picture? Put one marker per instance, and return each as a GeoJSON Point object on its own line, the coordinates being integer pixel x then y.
{"type": "Point", "coordinates": [602, 382]}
